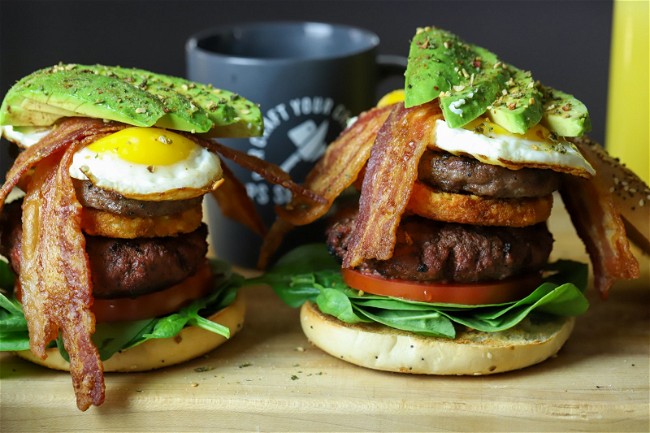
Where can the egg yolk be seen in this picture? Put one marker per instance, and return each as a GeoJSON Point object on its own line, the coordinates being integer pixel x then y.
{"type": "Point", "coordinates": [149, 146]}
{"type": "Point", "coordinates": [391, 98]}
{"type": "Point", "coordinates": [482, 125]}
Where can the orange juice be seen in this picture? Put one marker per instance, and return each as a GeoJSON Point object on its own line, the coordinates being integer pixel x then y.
{"type": "Point", "coordinates": [628, 121]}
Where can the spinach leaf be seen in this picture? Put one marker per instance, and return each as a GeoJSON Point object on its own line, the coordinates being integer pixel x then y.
{"type": "Point", "coordinates": [110, 338]}
{"type": "Point", "coordinates": [308, 273]}
{"type": "Point", "coordinates": [429, 323]}
{"type": "Point", "coordinates": [335, 303]}
{"type": "Point", "coordinates": [6, 276]}
{"type": "Point", "coordinates": [13, 326]}
{"type": "Point", "coordinates": [292, 284]}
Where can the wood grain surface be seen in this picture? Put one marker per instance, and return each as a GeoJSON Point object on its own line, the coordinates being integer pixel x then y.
{"type": "Point", "coordinates": [269, 378]}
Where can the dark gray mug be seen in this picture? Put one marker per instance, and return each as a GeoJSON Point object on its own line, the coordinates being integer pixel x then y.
{"type": "Point", "coordinates": [309, 79]}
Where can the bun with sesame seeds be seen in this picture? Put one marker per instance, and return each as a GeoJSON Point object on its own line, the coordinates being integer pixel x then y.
{"type": "Point", "coordinates": [189, 344]}
{"type": "Point", "coordinates": [472, 352]}
{"type": "Point", "coordinates": [630, 194]}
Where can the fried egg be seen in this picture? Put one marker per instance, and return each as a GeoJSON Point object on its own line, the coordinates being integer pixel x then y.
{"type": "Point", "coordinates": [148, 164]}
{"type": "Point", "coordinates": [24, 136]}
{"type": "Point", "coordinates": [492, 144]}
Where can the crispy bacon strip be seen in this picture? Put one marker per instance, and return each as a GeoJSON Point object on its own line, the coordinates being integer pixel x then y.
{"type": "Point", "coordinates": [235, 203]}
{"type": "Point", "coordinates": [66, 132]}
{"type": "Point", "coordinates": [339, 168]}
{"type": "Point", "coordinates": [55, 275]}
{"type": "Point", "coordinates": [392, 169]}
{"type": "Point", "coordinates": [597, 221]}
{"type": "Point", "coordinates": [269, 171]}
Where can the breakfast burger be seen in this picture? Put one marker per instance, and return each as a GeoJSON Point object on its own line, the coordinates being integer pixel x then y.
{"type": "Point", "coordinates": [107, 244]}
{"type": "Point", "coordinates": [439, 264]}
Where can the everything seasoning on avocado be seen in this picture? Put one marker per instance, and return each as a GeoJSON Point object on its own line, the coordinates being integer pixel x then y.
{"type": "Point", "coordinates": [470, 81]}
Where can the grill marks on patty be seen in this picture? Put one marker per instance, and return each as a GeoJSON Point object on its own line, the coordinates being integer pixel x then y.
{"type": "Point", "coordinates": [435, 251]}
{"type": "Point", "coordinates": [459, 174]}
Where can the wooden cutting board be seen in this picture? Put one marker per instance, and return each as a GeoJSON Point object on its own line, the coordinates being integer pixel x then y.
{"type": "Point", "coordinates": [268, 378]}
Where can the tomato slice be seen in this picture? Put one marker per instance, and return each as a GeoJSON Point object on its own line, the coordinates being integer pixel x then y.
{"type": "Point", "coordinates": [155, 304]}
{"type": "Point", "coordinates": [494, 292]}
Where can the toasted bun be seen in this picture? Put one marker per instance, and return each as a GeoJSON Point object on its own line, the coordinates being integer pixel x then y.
{"type": "Point", "coordinates": [630, 193]}
{"type": "Point", "coordinates": [472, 209]}
{"type": "Point", "coordinates": [471, 353]}
{"type": "Point", "coordinates": [99, 223]}
{"type": "Point", "coordinates": [191, 343]}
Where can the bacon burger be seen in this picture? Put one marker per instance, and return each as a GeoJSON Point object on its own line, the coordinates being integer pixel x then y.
{"type": "Point", "coordinates": [443, 262]}
{"type": "Point", "coordinates": [108, 244]}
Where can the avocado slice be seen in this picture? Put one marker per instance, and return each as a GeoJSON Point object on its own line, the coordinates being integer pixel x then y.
{"type": "Point", "coordinates": [470, 80]}
{"type": "Point", "coordinates": [519, 107]}
{"type": "Point", "coordinates": [429, 70]}
{"type": "Point", "coordinates": [133, 96]}
{"type": "Point", "coordinates": [465, 77]}
{"type": "Point", "coordinates": [196, 107]}
{"type": "Point", "coordinates": [470, 99]}
{"type": "Point", "coordinates": [437, 61]}
{"type": "Point", "coordinates": [563, 114]}
{"type": "Point", "coordinates": [52, 93]}
{"type": "Point", "coordinates": [179, 112]}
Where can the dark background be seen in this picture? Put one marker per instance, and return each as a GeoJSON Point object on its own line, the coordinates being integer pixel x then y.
{"type": "Point", "coordinates": [565, 43]}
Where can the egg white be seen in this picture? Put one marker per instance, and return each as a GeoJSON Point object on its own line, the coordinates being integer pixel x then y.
{"type": "Point", "coordinates": [511, 151]}
{"type": "Point", "coordinates": [192, 176]}
{"type": "Point", "coordinates": [24, 136]}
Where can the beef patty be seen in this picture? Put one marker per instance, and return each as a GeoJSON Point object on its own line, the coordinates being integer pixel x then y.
{"type": "Point", "coordinates": [122, 267]}
{"type": "Point", "coordinates": [459, 174]}
{"type": "Point", "coordinates": [435, 251]}
{"type": "Point", "coordinates": [97, 198]}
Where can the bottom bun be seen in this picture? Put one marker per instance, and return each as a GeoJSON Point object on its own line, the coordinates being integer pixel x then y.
{"type": "Point", "coordinates": [190, 343]}
{"type": "Point", "coordinates": [470, 353]}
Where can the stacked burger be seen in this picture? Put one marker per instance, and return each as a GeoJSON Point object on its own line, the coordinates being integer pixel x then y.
{"type": "Point", "coordinates": [108, 243]}
{"type": "Point", "coordinates": [441, 267]}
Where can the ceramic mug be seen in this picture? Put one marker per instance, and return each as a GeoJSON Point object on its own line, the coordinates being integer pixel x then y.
{"type": "Point", "coordinates": [308, 78]}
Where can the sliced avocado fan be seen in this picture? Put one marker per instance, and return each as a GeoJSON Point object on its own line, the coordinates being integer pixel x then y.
{"type": "Point", "coordinates": [133, 96]}
{"type": "Point", "coordinates": [471, 81]}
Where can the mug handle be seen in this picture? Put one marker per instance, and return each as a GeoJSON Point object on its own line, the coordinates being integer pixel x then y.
{"type": "Point", "coordinates": [390, 65]}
